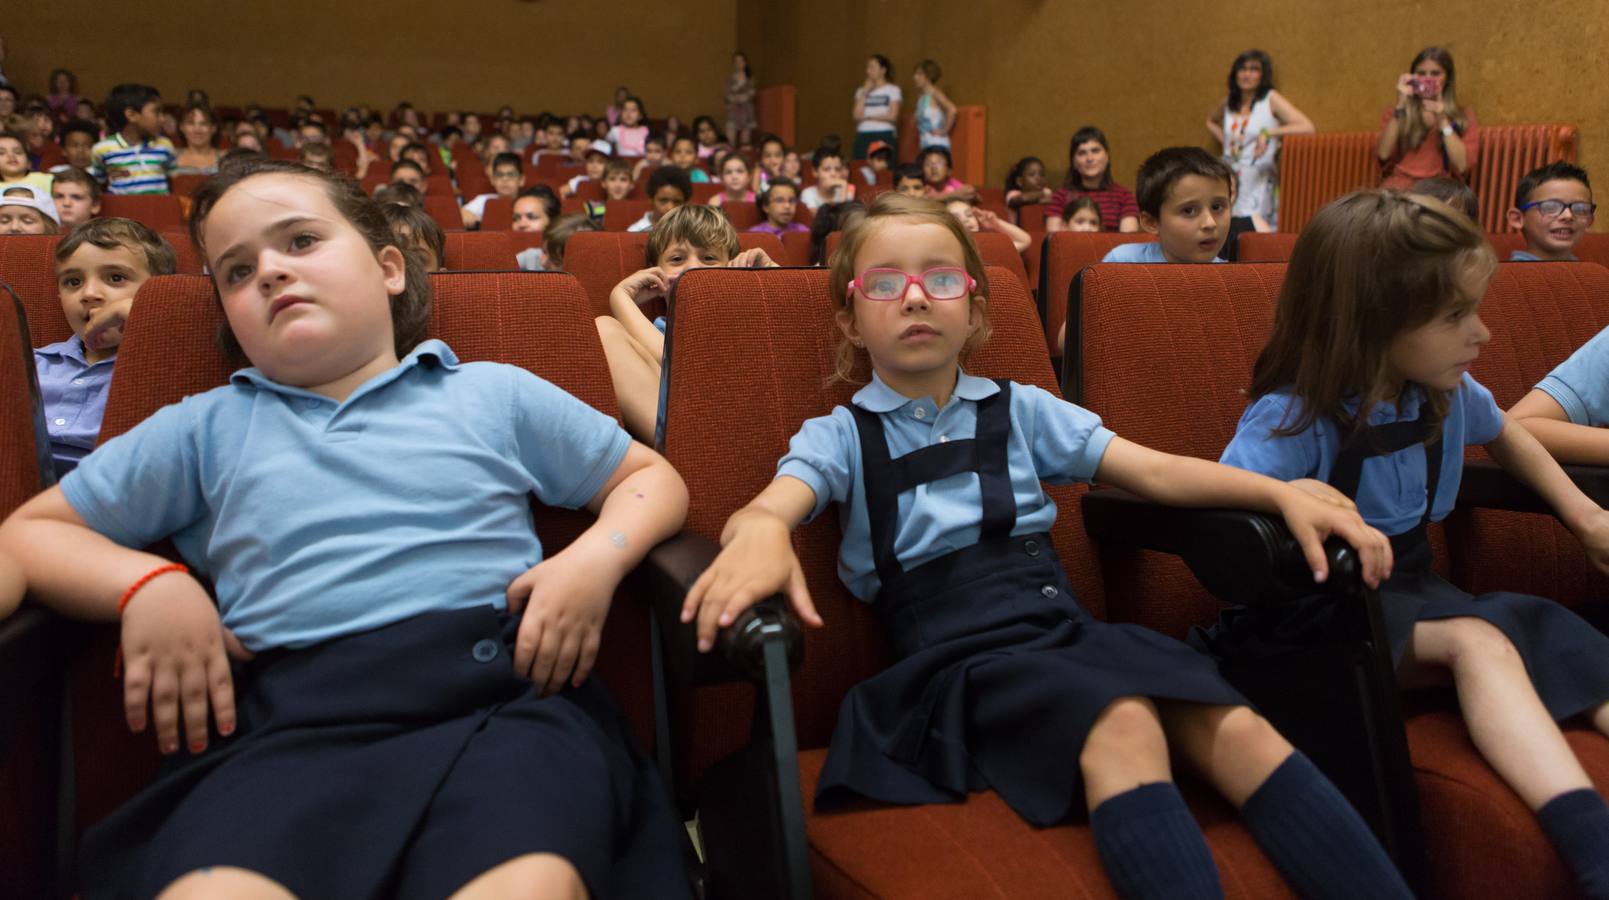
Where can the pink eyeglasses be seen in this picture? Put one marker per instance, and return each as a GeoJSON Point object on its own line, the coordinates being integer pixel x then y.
{"type": "Point", "coordinates": [941, 283]}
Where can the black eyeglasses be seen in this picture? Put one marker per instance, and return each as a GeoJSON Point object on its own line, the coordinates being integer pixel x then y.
{"type": "Point", "coordinates": [1552, 209]}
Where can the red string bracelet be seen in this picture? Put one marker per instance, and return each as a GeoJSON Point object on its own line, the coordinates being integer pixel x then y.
{"type": "Point", "coordinates": [135, 587]}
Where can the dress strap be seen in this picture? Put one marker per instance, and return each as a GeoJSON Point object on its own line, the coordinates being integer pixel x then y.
{"type": "Point", "coordinates": [1384, 440]}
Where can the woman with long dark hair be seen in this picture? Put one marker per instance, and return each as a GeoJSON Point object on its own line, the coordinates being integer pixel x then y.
{"type": "Point", "coordinates": [1248, 123]}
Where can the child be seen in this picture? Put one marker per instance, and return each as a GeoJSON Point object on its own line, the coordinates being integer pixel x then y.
{"type": "Point", "coordinates": [669, 188]}
{"type": "Point", "coordinates": [550, 257]}
{"type": "Point", "coordinates": [908, 181]}
{"type": "Point", "coordinates": [534, 208]}
{"type": "Point", "coordinates": [1452, 192]}
{"type": "Point", "coordinates": [686, 237]}
{"type": "Point", "coordinates": [631, 134]}
{"type": "Point", "coordinates": [653, 156]}
{"type": "Point", "coordinates": [1553, 208]}
{"type": "Point", "coordinates": [78, 144]}
{"type": "Point", "coordinates": [1363, 391]}
{"type": "Point", "coordinates": [879, 159]}
{"type": "Point", "coordinates": [395, 192]}
{"type": "Point", "coordinates": [709, 139]}
{"type": "Point", "coordinates": [410, 173]}
{"type": "Point", "coordinates": [1025, 184]}
{"type": "Point", "coordinates": [1089, 173]}
{"type": "Point", "coordinates": [792, 166]}
{"type": "Point", "coordinates": [415, 230]}
{"type": "Point", "coordinates": [779, 203]}
{"type": "Point", "coordinates": [975, 219]}
{"type": "Point", "coordinates": [14, 165]}
{"type": "Point", "coordinates": [24, 209]}
{"type": "Point", "coordinates": [832, 180]}
{"type": "Point", "coordinates": [938, 183]}
{"type": "Point", "coordinates": [316, 155]}
{"type": "Point", "coordinates": [1184, 199]}
{"type": "Point", "coordinates": [735, 180]}
{"type": "Point", "coordinates": [580, 144]}
{"type": "Point", "coordinates": [684, 156]}
{"type": "Point", "coordinates": [135, 159]}
{"type": "Point", "coordinates": [100, 266]}
{"type": "Point", "coordinates": [830, 218]}
{"type": "Point", "coordinates": [472, 769]}
{"type": "Point", "coordinates": [935, 113]}
{"type": "Point", "coordinates": [618, 182]}
{"type": "Point", "coordinates": [506, 174]}
{"type": "Point", "coordinates": [1002, 679]}
{"type": "Point", "coordinates": [553, 143]}
{"type": "Point", "coordinates": [597, 162]}
{"type": "Point", "coordinates": [773, 152]}
{"type": "Point", "coordinates": [77, 197]}
{"type": "Point", "coordinates": [1083, 214]}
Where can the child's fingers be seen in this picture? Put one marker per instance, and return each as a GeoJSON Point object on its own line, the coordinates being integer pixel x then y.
{"type": "Point", "coordinates": [1312, 548]}
{"type": "Point", "coordinates": [711, 616]}
{"type": "Point", "coordinates": [799, 597]}
{"type": "Point", "coordinates": [589, 656]}
{"type": "Point", "coordinates": [193, 703]}
{"type": "Point", "coordinates": [695, 595]}
{"type": "Point", "coordinates": [136, 690]}
{"type": "Point", "coordinates": [547, 655]}
{"type": "Point", "coordinates": [563, 663]}
{"type": "Point", "coordinates": [519, 594]}
{"type": "Point", "coordinates": [221, 688]}
{"type": "Point", "coordinates": [526, 642]}
{"type": "Point", "coordinates": [165, 705]}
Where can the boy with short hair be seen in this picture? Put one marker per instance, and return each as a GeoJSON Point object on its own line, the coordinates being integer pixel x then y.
{"type": "Point", "coordinates": [317, 155]}
{"type": "Point", "coordinates": [597, 158]}
{"type": "Point", "coordinates": [653, 155]}
{"type": "Point", "coordinates": [779, 203]}
{"type": "Point", "coordinates": [832, 179]}
{"type": "Point", "coordinates": [879, 159]}
{"type": "Point", "coordinates": [78, 139]}
{"type": "Point", "coordinates": [506, 174]}
{"type": "Point", "coordinates": [136, 158]}
{"type": "Point", "coordinates": [908, 181]}
{"type": "Point", "coordinates": [669, 188]}
{"type": "Point", "coordinates": [1553, 208]}
{"type": "Point", "coordinates": [553, 143]}
{"type": "Point", "coordinates": [100, 265]}
{"type": "Point", "coordinates": [415, 227]}
{"type": "Point", "coordinates": [25, 209]}
{"type": "Point", "coordinates": [1183, 194]}
{"type": "Point", "coordinates": [77, 196]}
{"type": "Point", "coordinates": [410, 173]}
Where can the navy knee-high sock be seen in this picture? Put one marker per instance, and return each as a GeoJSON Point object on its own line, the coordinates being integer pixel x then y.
{"type": "Point", "coordinates": [1577, 823]}
{"type": "Point", "coordinates": [1152, 847]}
{"type": "Point", "coordinates": [1316, 839]}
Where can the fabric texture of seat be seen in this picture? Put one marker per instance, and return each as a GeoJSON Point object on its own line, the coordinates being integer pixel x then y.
{"type": "Point", "coordinates": [478, 250]}
{"type": "Point", "coordinates": [28, 264]}
{"type": "Point", "coordinates": [1066, 253]}
{"type": "Point", "coordinates": [158, 212]}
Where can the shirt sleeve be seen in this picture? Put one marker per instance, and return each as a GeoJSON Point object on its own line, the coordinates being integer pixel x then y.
{"type": "Point", "coordinates": [1256, 448]}
{"type": "Point", "coordinates": [1580, 384]}
{"type": "Point", "coordinates": [143, 485]}
{"type": "Point", "coordinates": [1472, 141]}
{"type": "Point", "coordinates": [1067, 441]}
{"type": "Point", "coordinates": [822, 456]}
{"type": "Point", "coordinates": [1130, 207]}
{"type": "Point", "coordinates": [1058, 203]}
{"type": "Point", "coordinates": [1483, 420]}
{"type": "Point", "coordinates": [569, 448]}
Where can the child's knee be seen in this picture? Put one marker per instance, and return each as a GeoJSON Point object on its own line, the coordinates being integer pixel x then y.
{"type": "Point", "coordinates": [535, 876]}
{"type": "Point", "coordinates": [1242, 729]}
{"type": "Point", "coordinates": [1126, 730]}
{"type": "Point", "coordinates": [1478, 642]}
{"type": "Point", "coordinates": [225, 883]}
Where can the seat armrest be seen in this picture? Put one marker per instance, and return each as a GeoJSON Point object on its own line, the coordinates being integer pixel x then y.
{"type": "Point", "coordinates": [739, 653]}
{"type": "Point", "coordinates": [1486, 485]}
{"type": "Point", "coordinates": [29, 644]}
{"type": "Point", "coordinates": [1241, 556]}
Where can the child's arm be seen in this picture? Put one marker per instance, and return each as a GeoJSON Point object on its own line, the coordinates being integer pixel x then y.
{"type": "Point", "coordinates": [756, 561]}
{"type": "Point", "coordinates": [1541, 415]}
{"type": "Point", "coordinates": [175, 649]}
{"type": "Point", "coordinates": [1185, 481]}
{"type": "Point", "coordinates": [988, 221]}
{"type": "Point", "coordinates": [624, 300]}
{"type": "Point", "coordinates": [12, 585]}
{"type": "Point", "coordinates": [948, 107]}
{"type": "Point", "coordinates": [565, 598]}
{"type": "Point", "coordinates": [753, 258]}
{"type": "Point", "coordinates": [1522, 456]}
{"type": "Point", "coordinates": [860, 103]}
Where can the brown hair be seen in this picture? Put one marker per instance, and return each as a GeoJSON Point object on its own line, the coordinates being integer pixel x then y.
{"type": "Point", "coordinates": [411, 225]}
{"type": "Point", "coordinates": [703, 227]}
{"type": "Point", "coordinates": [1414, 131]}
{"type": "Point", "coordinates": [887, 207]}
{"type": "Point", "coordinates": [110, 234]}
{"type": "Point", "coordinates": [75, 175]}
{"type": "Point", "coordinates": [1367, 268]}
{"type": "Point", "coordinates": [930, 70]}
{"type": "Point", "coordinates": [410, 309]}
{"type": "Point", "coordinates": [557, 237]}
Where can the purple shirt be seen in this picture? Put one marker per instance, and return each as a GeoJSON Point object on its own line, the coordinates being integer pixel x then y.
{"type": "Point", "coordinates": [74, 394]}
{"type": "Point", "coordinates": [767, 228]}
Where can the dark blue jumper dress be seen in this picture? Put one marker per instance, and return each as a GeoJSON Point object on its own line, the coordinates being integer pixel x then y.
{"type": "Point", "coordinates": [400, 762]}
{"type": "Point", "coordinates": [1000, 674]}
{"type": "Point", "coordinates": [1567, 659]}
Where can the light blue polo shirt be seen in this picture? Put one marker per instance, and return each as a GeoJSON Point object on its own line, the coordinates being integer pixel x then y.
{"type": "Point", "coordinates": [1051, 440]}
{"type": "Point", "coordinates": [73, 391]}
{"type": "Point", "coordinates": [1528, 256]}
{"type": "Point", "coordinates": [1391, 491]}
{"type": "Point", "coordinates": [1581, 383]}
{"type": "Point", "coordinates": [316, 519]}
{"type": "Point", "coordinates": [1139, 253]}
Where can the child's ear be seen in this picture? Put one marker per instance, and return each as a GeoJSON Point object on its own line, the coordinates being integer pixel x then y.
{"type": "Point", "coordinates": [393, 269]}
{"type": "Point", "coordinates": [1148, 223]}
{"type": "Point", "coordinates": [95, 208]}
{"type": "Point", "coordinates": [1516, 219]}
{"type": "Point", "coordinates": [846, 323]}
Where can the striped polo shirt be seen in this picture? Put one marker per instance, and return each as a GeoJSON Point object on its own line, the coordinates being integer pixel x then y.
{"type": "Point", "coordinates": [141, 169]}
{"type": "Point", "coordinates": [1116, 203]}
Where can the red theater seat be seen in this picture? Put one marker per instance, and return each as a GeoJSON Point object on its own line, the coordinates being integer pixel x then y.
{"type": "Point", "coordinates": [599, 260]}
{"type": "Point", "coordinates": [158, 212]}
{"type": "Point", "coordinates": [478, 251]}
{"type": "Point", "coordinates": [1064, 255]}
{"type": "Point", "coordinates": [28, 264]}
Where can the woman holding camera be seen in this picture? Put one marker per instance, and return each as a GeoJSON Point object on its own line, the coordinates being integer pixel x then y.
{"type": "Point", "coordinates": [1427, 133]}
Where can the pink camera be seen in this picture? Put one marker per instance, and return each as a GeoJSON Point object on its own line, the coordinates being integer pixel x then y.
{"type": "Point", "coordinates": [1426, 86]}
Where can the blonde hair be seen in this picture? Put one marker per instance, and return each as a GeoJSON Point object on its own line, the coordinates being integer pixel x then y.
{"type": "Point", "coordinates": [884, 210]}
{"type": "Point", "coordinates": [703, 227]}
{"type": "Point", "coordinates": [1367, 268]}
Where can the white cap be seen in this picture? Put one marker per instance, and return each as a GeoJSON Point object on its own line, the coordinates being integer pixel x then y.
{"type": "Point", "coordinates": [601, 147]}
{"type": "Point", "coordinates": [31, 197]}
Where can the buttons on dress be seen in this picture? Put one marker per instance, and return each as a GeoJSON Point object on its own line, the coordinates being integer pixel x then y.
{"type": "Point", "coordinates": [61, 421]}
{"type": "Point", "coordinates": [1049, 591]}
{"type": "Point", "coordinates": [484, 651]}
{"type": "Point", "coordinates": [1030, 547]}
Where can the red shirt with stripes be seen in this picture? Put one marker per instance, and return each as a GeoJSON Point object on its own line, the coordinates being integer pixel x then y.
{"type": "Point", "coordinates": [1116, 203]}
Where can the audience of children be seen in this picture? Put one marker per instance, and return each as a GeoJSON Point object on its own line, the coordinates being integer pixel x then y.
{"type": "Point", "coordinates": [779, 204]}
{"type": "Point", "coordinates": [1553, 208]}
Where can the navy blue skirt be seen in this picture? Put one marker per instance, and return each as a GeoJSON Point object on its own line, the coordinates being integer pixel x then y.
{"type": "Point", "coordinates": [400, 762]}
{"type": "Point", "coordinates": [1000, 675]}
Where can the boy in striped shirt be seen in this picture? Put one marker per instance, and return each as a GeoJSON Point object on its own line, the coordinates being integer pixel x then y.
{"type": "Point", "coordinates": [136, 158]}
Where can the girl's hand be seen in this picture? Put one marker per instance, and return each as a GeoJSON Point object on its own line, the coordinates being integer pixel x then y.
{"type": "Point", "coordinates": [645, 285]}
{"type": "Point", "coordinates": [1324, 492]}
{"type": "Point", "coordinates": [564, 603]}
{"type": "Point", "coordinates": [1260, 147]}
{"type": "Point", "coordinates": [753, 258]}
{"type": "Point", "coordinates": [987, 220]}
{"type": "Point", "coordinates": [1594, 537]}
{"type": "Point", "coordinates": [176, 655]}
{"type": "Point", "coordinates": [757, 562]}
{"type": "Point", "coordinates": [1312, 519]}
{"type": "Point", "coordinates": [1405, 86]}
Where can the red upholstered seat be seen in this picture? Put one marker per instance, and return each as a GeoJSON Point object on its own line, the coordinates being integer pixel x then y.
{"type": "Point", "coordinates": [1065, 254]}
{"type": "Point", "coordinates": [158, 212]}
{"type": "Point", "coordinates": [28, 264]}
{"type": "Point", "coordinates": [498, 215]}
{"type": "Point", "coordinates": [444, 209]}
{"type": "Point", "coordinates": [602, 259]}
{"type": "Point", "coordinates": [618, 215]}
{"type": "Point", "coordinates": [1274, 247]}
{"type": "Point", "coordinates": [751, 357]}
{"type": "Point", "coordinates": [479, 250]}
{"type": "Point", "coordinates": [796, 247]}
{"type": "Point", "coordinates": [187, 256]}
{"type": "Point", "coordinates": [1165, 353]}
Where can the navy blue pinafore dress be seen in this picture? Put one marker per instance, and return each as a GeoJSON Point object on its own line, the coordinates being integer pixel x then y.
{"type": "Point", "coordinates": [1000, 674]}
